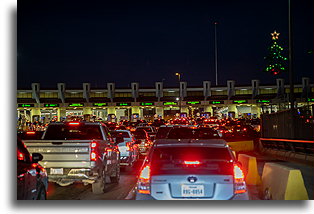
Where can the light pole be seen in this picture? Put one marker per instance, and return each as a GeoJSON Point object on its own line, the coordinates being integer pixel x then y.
{"type": "Point", "coordinates": [179, 78]}
{"type": "Point", "coordinates": [216, 58]}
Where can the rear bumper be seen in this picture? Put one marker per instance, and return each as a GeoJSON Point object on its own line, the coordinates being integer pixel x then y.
{"type": "Point", "coordinates": [73, 175]}
{"type": "Point", "coordinates": [139, 196]}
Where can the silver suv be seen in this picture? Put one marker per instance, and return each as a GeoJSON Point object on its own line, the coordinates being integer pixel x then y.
{"type": "Point", "coordinates": [191, 169]}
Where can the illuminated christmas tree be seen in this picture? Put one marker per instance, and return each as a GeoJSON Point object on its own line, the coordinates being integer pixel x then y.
{"type": "Point", "coordinates": [275, 60]}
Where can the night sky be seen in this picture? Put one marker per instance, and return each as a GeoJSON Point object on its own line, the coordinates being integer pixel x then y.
{"type": "Point", "coordinates": [135, 41]}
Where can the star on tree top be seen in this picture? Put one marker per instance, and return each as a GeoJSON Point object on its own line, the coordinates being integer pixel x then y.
{"type": "Point", "coordinates": [275, 35]}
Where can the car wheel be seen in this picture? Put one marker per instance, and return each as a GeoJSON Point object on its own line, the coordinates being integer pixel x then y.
{"type": "Point", "coordinates": [98, 187]}
{"type": "Point", "coordinates": [116, 178]}
{"type": "Point", "coordinates": [42, 193]}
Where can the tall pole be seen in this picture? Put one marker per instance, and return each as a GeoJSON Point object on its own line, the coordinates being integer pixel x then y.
{"type": "Point", "coordinates": [290, 60]}
{"type": "Point", "coordinates": [179, 78]}
{"type": "Point", "coordinates": [216, 66]}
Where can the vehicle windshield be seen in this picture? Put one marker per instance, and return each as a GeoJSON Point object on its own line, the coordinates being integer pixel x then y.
{"type": "Point", "coordinates": [75, 132]}
{"type": "Point", "coordinates": [162, 132]}
{"type": "Point", "coordinates": [114, 134]}
{"type": "Point", "coordinates": [148, 129]}
{"type": "Point", "coordinates": [140, 134]}
{"type": "Point", "coordinates": [191, 160]}
{"type": "Point", "coordinates": [189, 133]}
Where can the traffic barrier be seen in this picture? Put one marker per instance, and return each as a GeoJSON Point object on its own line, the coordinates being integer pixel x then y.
{"type": "Point", "coordinates": [241, 146]}
{"type": "Point", "coordinates": [282, 183]}
{"type": "Point", "coordinates": [249, 166]}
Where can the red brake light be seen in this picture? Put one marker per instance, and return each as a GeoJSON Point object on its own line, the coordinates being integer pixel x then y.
{"type": "Point", "coordinates": [93, 155]}
{"type": "Point", "coordinates": [20, 155]}
{"type": "Point", "coordinates": [74, 123]}
{"type": "Point", "coordinates": [244, 129]}
{"type": "Point", "coordinates": [31, 132]}
{"type": "Point", "coordinates": [239, 183]}
{"type": "Point", "coordinates": [191, 162]}
{"type": "Point", "coordinates": [144, 181]}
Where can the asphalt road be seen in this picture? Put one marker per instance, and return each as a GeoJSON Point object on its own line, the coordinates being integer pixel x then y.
{"type": "Point", "coordinates": [78, 191]}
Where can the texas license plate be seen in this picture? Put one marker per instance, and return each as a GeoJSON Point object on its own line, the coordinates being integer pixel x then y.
{"type": "Point", "coordinates": [192, 190]}
{"type": "Point", "coordinates": [56, 171]}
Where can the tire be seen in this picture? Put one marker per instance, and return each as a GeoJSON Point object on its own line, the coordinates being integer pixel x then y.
{"type": "Point", "coordinates": [98, 187]}
{"type": "Point", "coordinates": [42, 193]}
{"type": "Point", "coordinates": [116, 178]}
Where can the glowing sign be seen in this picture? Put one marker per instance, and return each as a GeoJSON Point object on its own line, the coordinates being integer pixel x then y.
{"type": "Point", "coordinates": [263, 101]}
{"type": "Point", "coordinates": [51, 105]}
{"type": "Point", "coordinates": [216, 102]}
{"type": "Point", "coordinates": [76, 104]}
{"type": "Point", "coordinates": [25, 105]}
{"type": "Point", "coordinates": [123, 104]}
{"type": "Point", "coordinates": [146, 104]}
{"type": "Point", "coordinates": [193, 102]}
{"type": "Point", "coordinates": [99, 104]}
{"type": "Point", "coordinates": [310, 99]}
{"type": "Point", "coordinates": [170, 103]}
{"type": "Point", "coordinates": [239, 101]}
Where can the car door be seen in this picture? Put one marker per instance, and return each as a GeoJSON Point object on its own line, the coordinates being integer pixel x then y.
{"type": "Point", "coordinates": [26, 175]}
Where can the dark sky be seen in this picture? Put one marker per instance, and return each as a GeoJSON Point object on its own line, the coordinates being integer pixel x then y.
{"type": "Point", "coordinates": [135, 41]}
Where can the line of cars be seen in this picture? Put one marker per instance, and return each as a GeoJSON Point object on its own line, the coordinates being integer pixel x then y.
{"type": "Point", "coordinates": [76, 151]}
{"type": "Point", "coordinates": [174, 167]}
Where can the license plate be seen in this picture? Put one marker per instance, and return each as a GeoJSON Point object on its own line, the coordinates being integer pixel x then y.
{"type": "Point", "coordinates": [192, 190]}
{"type": "Point", "coordinates": [58, 171]}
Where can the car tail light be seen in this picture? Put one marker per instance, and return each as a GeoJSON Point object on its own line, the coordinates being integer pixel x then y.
{"type": "Point", "coordinates": [20, 155]}
{"type": "Point", "coordinates": [143, 185]}
{"type": "Point", "coordinates": [30, 132]}
{"type": "Point", "coordinates": [191, 162]}
{"type": "Point", "coordinates": [244, 129]}
{"type": "Point", "coordinates": [239, 183]}
{"type": "Point", "coordinates": [93, 154]}
{"type": "Point", "coordinates": [74, 123]}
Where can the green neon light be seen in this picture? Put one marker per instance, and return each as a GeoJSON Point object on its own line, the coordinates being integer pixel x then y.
{"type": "Point", "coordinates": [51, 105]}
{"type": "Point", "coordinates": [123, 104]}
{"type": "Point", "coordinates": [263, 101]}
{"type": "Point", "coordinates": [310, 99]}
{"type": "Point", "coordinates": [146, 104]}
{"type": "Point", "coordinates": [76, 104]}
{"type": "Point", "coordinates": [239, 101]}
{"type": "Point", "coordinates": [25, 105]}
{"type": "Point", "coordinates": [170, 103]}
{"type": "Point", "coordinates": [99, 104]}
{"type": "Point", "coordinates": [217, 102]}
{"type": "Point", "coordinates": [193, 102]}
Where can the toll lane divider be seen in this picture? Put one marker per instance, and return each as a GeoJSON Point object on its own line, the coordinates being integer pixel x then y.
{"type": "Point", "coordinates": [242, 146]}
{"type": "Point", "coordinates": [282, 183]}
{"type": "Point", "coordinates": [249, 167]}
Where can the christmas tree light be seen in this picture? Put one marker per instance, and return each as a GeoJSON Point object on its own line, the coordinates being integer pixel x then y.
{"type": "Point", "coordinates": [275, 61]}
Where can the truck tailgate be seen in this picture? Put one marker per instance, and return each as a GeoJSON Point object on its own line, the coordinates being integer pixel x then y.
{"type": "Point", "coordinates": [62, 153]}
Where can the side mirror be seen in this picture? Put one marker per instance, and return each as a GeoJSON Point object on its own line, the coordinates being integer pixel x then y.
{"type": "Point", "coordinates": [119, 139]}
{"type": "Point", "coordinates": [36, 157]}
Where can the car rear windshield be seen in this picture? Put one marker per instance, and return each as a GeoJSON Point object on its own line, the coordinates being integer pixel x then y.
{"type": "Point", "coordinates": [191, 160]}
{"type": "Point", "coordinates": [75, 132]}
{"type": "Point", "coordinates": [162, 132]}
{"type": "Point", "coordinates": [114, 134]}
{"type": "Point", "coordinates": [189, 133]}
{"type": "Point", "coordinates": [148, 129]}
{"type": "Point", "coordinates": [139, 134]}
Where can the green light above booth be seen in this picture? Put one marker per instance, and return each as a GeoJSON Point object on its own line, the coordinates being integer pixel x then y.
{"type": "Point", "coordinates": [193, 102]}
{"type": "Point", "coordinates": [25, 105]}
{"type": "Point", "coordinates": [217, 102]}
{"type": "Point", "coordinates": [146, 104]}
{"type": "Point", "coordinates": [310, 99]}
{"type": "Point", "coordinates": [76, 104]}
{"type": "Point", "coordinates": [99, 104]}
{"type": "Point", "coordinates": [170, 103]}
{"type": "Point", "coordinates": [239, 101]}
{"type": "Point", "coordinates": [123, 104]}
{"type": "Point", "coordinates": [263, 101]}
{"type": "Point", "coordinates": [51, 105]}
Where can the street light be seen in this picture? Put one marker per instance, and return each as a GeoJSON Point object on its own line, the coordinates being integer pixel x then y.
{"type": "Point", "coordinates": [179, 78]}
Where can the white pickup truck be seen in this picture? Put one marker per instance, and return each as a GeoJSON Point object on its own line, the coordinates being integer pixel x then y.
{"type": "Point", "coordinates": [79, 151]}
